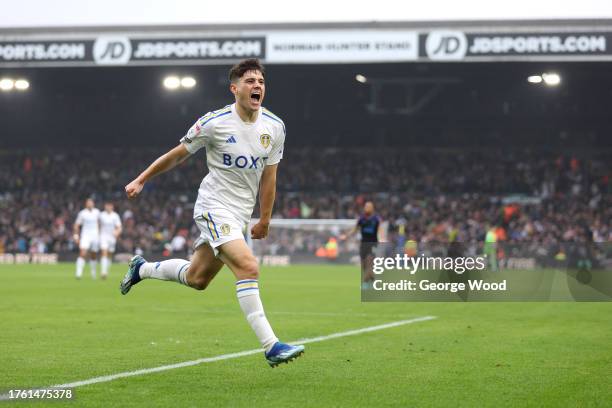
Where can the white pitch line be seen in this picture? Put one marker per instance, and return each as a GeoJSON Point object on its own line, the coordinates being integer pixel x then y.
{"type": "Point", "coordinates": [364, 330]}
{"type": "Point", "coordinates": [112, 377]}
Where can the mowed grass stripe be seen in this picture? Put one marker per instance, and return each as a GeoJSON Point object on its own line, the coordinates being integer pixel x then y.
{"type": "Point", "coordinates": [106, 378]}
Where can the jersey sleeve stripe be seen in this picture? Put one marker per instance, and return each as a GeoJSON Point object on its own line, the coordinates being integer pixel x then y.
{"type": "Point", "coordinates": [271, 114]}
{"type": "Point", "coordinates": [216, 112]}
{"type": "Point", "coordinates": [265, 113]}
{"type": "Point", "coordinates": [205, 119]}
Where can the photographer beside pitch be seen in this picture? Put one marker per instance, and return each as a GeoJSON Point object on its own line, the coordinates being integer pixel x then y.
{"type": "Point", "coordinates": [244, 144]}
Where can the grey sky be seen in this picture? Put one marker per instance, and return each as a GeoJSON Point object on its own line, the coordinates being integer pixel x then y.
{"type": "Point", "coordinates": [34, 13]}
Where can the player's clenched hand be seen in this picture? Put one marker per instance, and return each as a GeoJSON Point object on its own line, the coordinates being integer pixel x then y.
{"type": "Point", "coordinates": [134, 188]}
{"type": "Point", "coordinates": [260, 230]}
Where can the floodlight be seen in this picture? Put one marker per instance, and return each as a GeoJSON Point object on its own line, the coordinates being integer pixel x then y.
{"type": "Point", "coordinates": [22, 84]}
{"type": "Point", "coordinates": [551, 79]}
{"type": "Point", "coordinates": [361, 78]}
{"type": "Point", "coordinates": [6, 84]}
{"type": "Point", "coordinates": [534, 79]}
{"type": "Point", "coordinates": [172, 82]}
{"type": "Point", "coordinates": [188, 82]}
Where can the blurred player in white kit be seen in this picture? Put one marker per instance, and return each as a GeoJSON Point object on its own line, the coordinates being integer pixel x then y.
{"type": "Point", "coordinates": [87, 236]}
{"type": "Point", "coordinates": [110, 229]}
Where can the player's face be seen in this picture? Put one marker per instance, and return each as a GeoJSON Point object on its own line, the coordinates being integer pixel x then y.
{"type": "Point", "coordinates": [368, 208]}
{"type": "Point", "coordinates": [89, 204]}
{"type": "Point", "coordinates": [249, 90]}
{"type": "Point", "coordinates": [108, 207]}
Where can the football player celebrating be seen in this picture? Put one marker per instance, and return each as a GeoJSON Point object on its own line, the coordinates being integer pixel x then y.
{"type": "Point", "coordinates": [244, 144]}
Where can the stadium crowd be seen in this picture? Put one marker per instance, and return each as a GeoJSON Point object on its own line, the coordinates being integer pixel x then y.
{"type": "Point", "coordinates": [426, 194]}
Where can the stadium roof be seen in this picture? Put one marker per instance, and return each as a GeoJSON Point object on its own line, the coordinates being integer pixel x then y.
{"type": "Point", "coordinates": [479, 25]}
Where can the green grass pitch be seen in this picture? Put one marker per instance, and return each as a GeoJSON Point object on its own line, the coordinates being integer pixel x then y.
{"type": "Point", "coordinates": [58, 330]}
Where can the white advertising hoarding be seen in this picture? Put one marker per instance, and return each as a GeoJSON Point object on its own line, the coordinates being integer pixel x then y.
{"type": "Point", "coordinates": [341, 46]}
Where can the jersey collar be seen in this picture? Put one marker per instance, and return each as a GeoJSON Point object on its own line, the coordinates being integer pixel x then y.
{"type": "Point", "coordinates": [237, 116]}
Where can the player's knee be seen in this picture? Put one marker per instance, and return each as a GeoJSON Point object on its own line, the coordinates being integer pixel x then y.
{"type": "Point", "coordinates": [249, 269]}
{"type": "Point", "coordinates": [199, 283]}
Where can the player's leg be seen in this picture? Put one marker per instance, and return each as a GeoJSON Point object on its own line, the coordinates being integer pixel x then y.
{"type": "Point", "coordinates": [363, 269]}
{"type": "Point", "coordinates": [104, 255]}
{"type": "Point", "coordinates": [80, 262]}
{"type": "Point", "coordinates": [197, 273]}
{"type": "Point", "coordinates": [93, 261]}
{"type": "Point", "coordinates": [204, 267]}
{"type": "Point", "coordinates": [369, 268]}
{"type": "Point", "coordinates": [107, 249]}
{"type": "Point", "coordinates": [104, 262]}
{"type": "Point", "coordinates": [238, 257]}
{"type": "Point", "coordinates": [363, 257]}
{"type": "Point", "coordinates": [367, 274]}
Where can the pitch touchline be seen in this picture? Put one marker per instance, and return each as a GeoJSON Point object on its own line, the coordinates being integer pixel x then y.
{"type": "Point", "coordinates": [112, 377]}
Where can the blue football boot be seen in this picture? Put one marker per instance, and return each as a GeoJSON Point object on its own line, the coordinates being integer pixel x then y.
{"type": "Point", "coordinates": [131, 277]}
{"type": "Point", "coordinates": [283, 353]}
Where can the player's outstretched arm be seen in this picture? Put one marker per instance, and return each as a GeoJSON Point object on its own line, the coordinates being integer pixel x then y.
{"type": "Point", "coordinates": [267, 193]}
{"type": "Point", "coordinates": [350, 233]}
{"type": "Point", "coordinates": [160, 165]}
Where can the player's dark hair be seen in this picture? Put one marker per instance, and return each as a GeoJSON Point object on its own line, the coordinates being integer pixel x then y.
{"type": "Point", "coordinates": [251, 64]}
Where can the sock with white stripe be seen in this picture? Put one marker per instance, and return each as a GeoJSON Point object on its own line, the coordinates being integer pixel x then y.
{"type": "Point", "coordinates": [170, 270]}
{"type": "Point", "coordinates": [247, 291]}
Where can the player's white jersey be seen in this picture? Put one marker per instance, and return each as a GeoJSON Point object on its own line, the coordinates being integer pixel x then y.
{"type": "Point", "coordinates": [108, 222]}
{"type": "Point", "coordinates": [88, 220]}
{"type": "Point", "coordinates": [236, 154]}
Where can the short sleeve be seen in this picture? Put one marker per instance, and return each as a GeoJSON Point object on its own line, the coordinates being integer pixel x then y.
{"type": "Point", "coordinates": [277, 149]}
{"type": "Point", "coordinates": [198, 135]}
{"type": "Point", "coordinates": [79, 218]}
{"type": "Point", "coordinates": [117, 221]}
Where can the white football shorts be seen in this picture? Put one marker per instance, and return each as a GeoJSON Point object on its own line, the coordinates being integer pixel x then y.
{"type": "Point", "coordinates": [218, 227]}
{"type": "Point", "coordinates": [89, 242]}
{"type": "Point", "coordinates": [107, 243]}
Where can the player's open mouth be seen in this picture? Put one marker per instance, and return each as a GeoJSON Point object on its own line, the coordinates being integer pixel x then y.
{"type": "Point", "coordinates": [255, 97]}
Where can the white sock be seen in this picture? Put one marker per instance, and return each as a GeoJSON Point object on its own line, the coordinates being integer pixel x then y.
{"type": "Point", "coordinates": [105, 264]}
{"type": "Point", "coordinates": [80, 264]}
{"type": "Point", "coordinates": [92, 265]}
{"type": "Point", "coordinates": [247, 291]}
{"type": "Point", "coordinates": [170, 270]}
